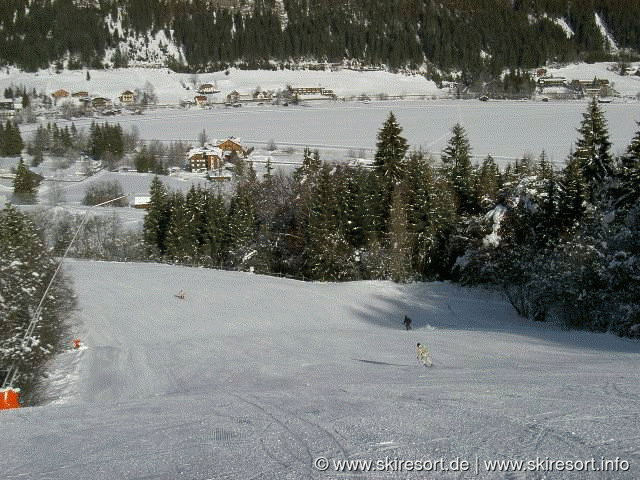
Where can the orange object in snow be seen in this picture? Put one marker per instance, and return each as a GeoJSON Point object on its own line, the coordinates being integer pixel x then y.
{"type": "Point", "coordinates": [76, 343]}
{"type": "Point", "coordinates": [9, 398]}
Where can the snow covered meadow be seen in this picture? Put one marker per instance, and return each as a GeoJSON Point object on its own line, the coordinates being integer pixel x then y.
{"type": "Point", "coordinates": [506, 130]}
{"type": "Point", "coordinates": [258, 377]}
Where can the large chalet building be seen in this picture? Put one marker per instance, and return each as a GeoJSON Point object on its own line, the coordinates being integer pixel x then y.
{"type": "Point", "coordinates": [212, 156]}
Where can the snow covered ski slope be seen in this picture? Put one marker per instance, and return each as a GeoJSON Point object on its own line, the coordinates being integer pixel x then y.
{"type": "Point", "coordinates": [257, 377]}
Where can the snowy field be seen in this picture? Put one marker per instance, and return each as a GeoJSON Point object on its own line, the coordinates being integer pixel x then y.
{"type": "Point", "coordinates": [253, 377]}
{"type": "Point", "coordinates": [505, 129]}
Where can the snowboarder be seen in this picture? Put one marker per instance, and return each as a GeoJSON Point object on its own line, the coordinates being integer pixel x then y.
{"type": "Point", "coordinates": [423, 355]}
{"type": "Point", "coordinates": [407, 323]}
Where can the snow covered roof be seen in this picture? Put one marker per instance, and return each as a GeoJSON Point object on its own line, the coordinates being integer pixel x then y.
{"type": "Point", "coordinates": [236, 140]}
{"type": "Point", "coordinates": [208, 150]}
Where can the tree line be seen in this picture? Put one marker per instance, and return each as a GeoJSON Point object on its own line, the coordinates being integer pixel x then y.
{"type": "Point", "coordinates": [483, 36]}
{"type": "Point", "coordinates": [544, 236]}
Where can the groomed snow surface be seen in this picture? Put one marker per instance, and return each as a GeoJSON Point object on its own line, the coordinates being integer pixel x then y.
{"type": "Point", "coordinates": [259, 377]}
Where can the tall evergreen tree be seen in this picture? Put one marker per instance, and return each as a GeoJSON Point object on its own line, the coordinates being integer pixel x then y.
{"type": "Point", "coordinates": [157, 218]}
{"type": "Point", "coordinates": [329, 255]}
{"type": "Point", "coordinates": [548, 223]}
{"type": "Point", "coordinates": [574, 194]}
{"type": "Point", "coordinates": [389, 161]}
{"type": "Point", "coordinates": [243, 222]}
{"type": "Point", "coordinates": [487, 183]}
{"type": "Point", "coordinates": [216, 228]}
{"type": "Point", "coordinates": [629, 173]}
{"type": "Point", "coordinates": [593, 149]}
{"type": "Point", "coordinates": [24, 184]}
{"type": "Point", "coordinates": [399, 236]}
{"type": "Point", "coordinates": [181, 242]}
{"type": "Point", "coordinates": [456, 158]}
{"type": "Point", "coordinates": [10, 139]}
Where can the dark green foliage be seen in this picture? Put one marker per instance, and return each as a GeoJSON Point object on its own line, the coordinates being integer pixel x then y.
{"type": "Point", "coordinates": [329, 255]}
{"type": "Point", "coordinates": [593, 149]}
{"type": "Point", "coordinates": [36, 35]}
{"type": "Point", "coordinates": [106, 142]}
{"type": "Point", "coordinates": [147, 160]}
{"type": "Point", "coordinates": [568, 246]}
{"type": "Point", "coordinates": [573, 195]}
{"type": "Point", "coordinates": [629, 174]}
{"type": "Point", "coordinates": [25, 183]}
{"type": "Point", "coordinates": [389, 162]}
{"type": "Point", "coordinates": [477, 38]}
{"type": "Point", "coordinates": [431, 213]}
{"type": "Point", "coordinates": [456, 158]}
{"type": "Point", "coordinates": [157, 218]}
{"type": "Point", "coordinates": [55, 141]}
{"type": "Point", "coordinates": [488, 184]}
{"type": "Point", "coordinates": [10, 139]}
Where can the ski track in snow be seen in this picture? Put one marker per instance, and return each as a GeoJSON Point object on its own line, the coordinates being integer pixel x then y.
{"type": "Point", "coordinates": [257, 377]}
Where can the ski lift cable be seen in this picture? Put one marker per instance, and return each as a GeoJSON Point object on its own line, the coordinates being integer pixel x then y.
{"type": "Point", "coordinates": [13, 369]}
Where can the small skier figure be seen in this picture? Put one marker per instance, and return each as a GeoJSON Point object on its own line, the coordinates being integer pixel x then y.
{"type": "Point", "coordinates": [423, 355]}
{"type": "Point", "coordinates": [407, 323]}
{"type": "Point", "coordinates": [181, 294]}
{"type": "Point", "coordinates": [77, 343]}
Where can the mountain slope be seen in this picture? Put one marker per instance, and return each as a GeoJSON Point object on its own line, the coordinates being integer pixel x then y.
{"type": "Point", "coordinates": [468, 36]}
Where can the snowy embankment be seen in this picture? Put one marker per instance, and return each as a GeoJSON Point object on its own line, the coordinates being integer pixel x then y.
{"type": "Point", "coordinates": [258, 377]}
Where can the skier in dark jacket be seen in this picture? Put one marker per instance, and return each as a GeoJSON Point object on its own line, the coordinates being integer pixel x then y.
{"type": "Point", "coordinates": [407, 323]}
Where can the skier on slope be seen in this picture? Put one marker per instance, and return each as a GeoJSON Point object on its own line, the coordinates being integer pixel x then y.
{"type": "Point", "coordinates": [423, 355]}
{"type": "Point", "coordinates": [407, 323]}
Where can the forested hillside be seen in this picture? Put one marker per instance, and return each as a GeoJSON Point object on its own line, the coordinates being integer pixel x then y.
{"type": "Point", "coordinates": [471, 36]}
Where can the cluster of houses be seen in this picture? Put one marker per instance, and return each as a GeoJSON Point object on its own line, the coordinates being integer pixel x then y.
{"type": "Point", "coordinates": [209, 159]}
{"type": "Point", "coordinates": [236, 98]}
{"type": "Point", "coordinates": [564, 88]}
{"type": "Point", "coordinates": [127, 98]}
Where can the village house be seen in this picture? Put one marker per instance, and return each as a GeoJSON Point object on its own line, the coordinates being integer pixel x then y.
{"type": "Point", "coordinates": [80, 94]}
{"type": "Point", "coordinates": [60, 93]}
{"type": "Point", "coordinates": [100, 102]}
{"type": "Point", "coordinates": [262, 95]}
{"type": "Point", "coordinates": [201, 100]}
{"type": "Point", "coordinates": [207, 88]}
{"type": "Point", "coordinates": [307, 90]}
{"type": "Point", "coordinates": [205, 158]}
{"type": "Point", "coordinates": [8, 108]}
{"type": "Point", "coordinates": [142, 202]}
{"type": "Point", "coordinates": [127, 97]}
{"type": "Point", "coordinates": [230, 144]}
{"type": "Point", "coordinates": [233, 97]}
{"type": "Point", "coordinates": [545, 82]}
{"type": "Point", "coordinates": [597, 87]}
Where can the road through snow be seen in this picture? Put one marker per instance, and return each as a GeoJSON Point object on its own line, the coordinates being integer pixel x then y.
{"type": "Point", "coordinates": [258, 377]}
